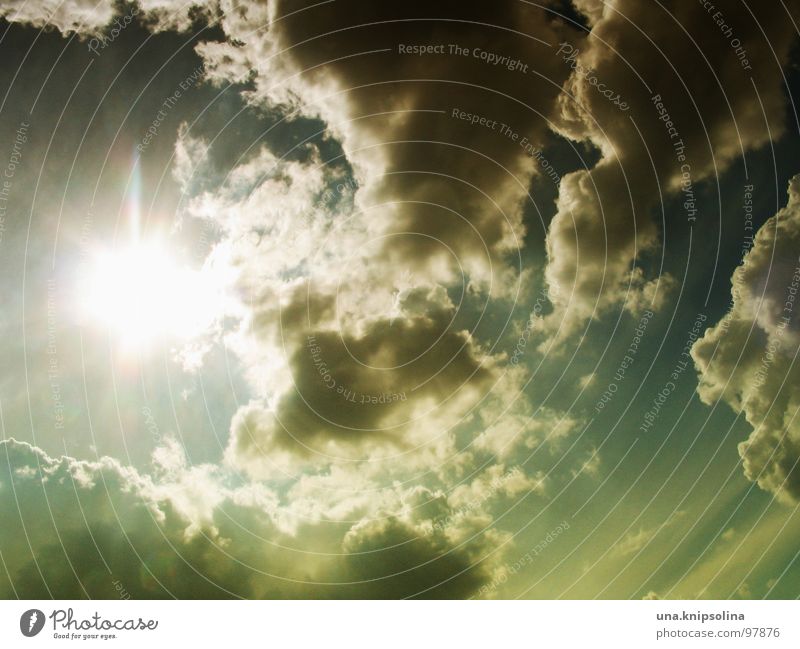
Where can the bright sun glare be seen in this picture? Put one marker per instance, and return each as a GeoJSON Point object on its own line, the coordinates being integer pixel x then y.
{"type": "Point", "coordinates": [140, 294]}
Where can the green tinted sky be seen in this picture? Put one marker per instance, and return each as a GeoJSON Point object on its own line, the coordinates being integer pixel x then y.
{"type": "Point", "coordinates": [333, 400]}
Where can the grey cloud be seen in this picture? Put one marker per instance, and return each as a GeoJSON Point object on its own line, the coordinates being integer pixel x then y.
{"type": "Point", "coordinates": [605, 216]}
{"type": "Point", "coordinates": [75, 528]}
{"type": "Point", "coordinates": [749, 358]}
{"type": "Point", "coordinates": [446, 187]}
{"type": "Point", "coordinates": [424, 566]}
{"type": "Point", "coordinates": [361, 391]}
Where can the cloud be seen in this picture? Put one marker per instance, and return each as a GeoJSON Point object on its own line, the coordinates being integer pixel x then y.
{"type": "Point", "coordinates": [749, 358]}
{"type": "Point", "coordinates": [633, 542]}
{"type": "Point", "coordinates": [90, 17]}
{"type": "Point", "coordinates": [396, 384]}
{"type": "Point", "coordinates": [351, 299]}
{"type": "Point", "coordinates": [76, 528]}
{"type": "Point", "coordinates": [419, 565]}
{"type": "Point", "coordinates": [605, 215]}
{"type": "Point", "coordinates": [360, 378]}
{"type": "Point", "coordinates": [351, 358]}
{"type": "Point", "coordinates": [73, 527]}
{"type": "Point", "coordinates": [522, 428]}
{"type": "Point", "coordinates": [445, 191]}
{"type": "Point", "coordinates": [82, 16]}
{"type": "Point", "coordinates": [651, 294]}
{"type": "Point", "coordinates": [352, 462]}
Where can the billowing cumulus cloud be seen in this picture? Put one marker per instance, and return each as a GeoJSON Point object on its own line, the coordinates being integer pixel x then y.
{"type": "Point", "coordinates": [374, 546]}
{"type": "Point", "coordinates": [76, 528]}
{"type": "Point", "coordinates": [369, 402]}
{"type": "Point", "coordinates": [444, 183]}
{"type": "Point", "coordinates": [373, 390]}
{"type": "Point", "coordinates": [349, 277]}
{"type": "Point", "coordinates": [749, 359]}
{"type": "Point", "coordinates": [666, 97]}
{"type": "Point", "coordinates": [351, 357]}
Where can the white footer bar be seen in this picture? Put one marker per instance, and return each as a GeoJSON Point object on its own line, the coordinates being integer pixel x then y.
{"type": "Point", "coordinates": [400, 625]}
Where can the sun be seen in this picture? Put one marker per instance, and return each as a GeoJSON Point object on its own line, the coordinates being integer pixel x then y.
{"type": "Point", "coordinates": [140, 294]}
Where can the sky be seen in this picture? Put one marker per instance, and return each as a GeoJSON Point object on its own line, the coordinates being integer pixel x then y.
{"type": "Point", "coordinates": [347, 299]}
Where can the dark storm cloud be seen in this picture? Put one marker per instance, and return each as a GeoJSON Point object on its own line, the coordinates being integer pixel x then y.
{"type": "Point", "coordinates": [442, 142]}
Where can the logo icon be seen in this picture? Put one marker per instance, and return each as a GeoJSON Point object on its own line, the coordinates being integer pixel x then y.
{"type": "Point", "coordinates": [31, 622]}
